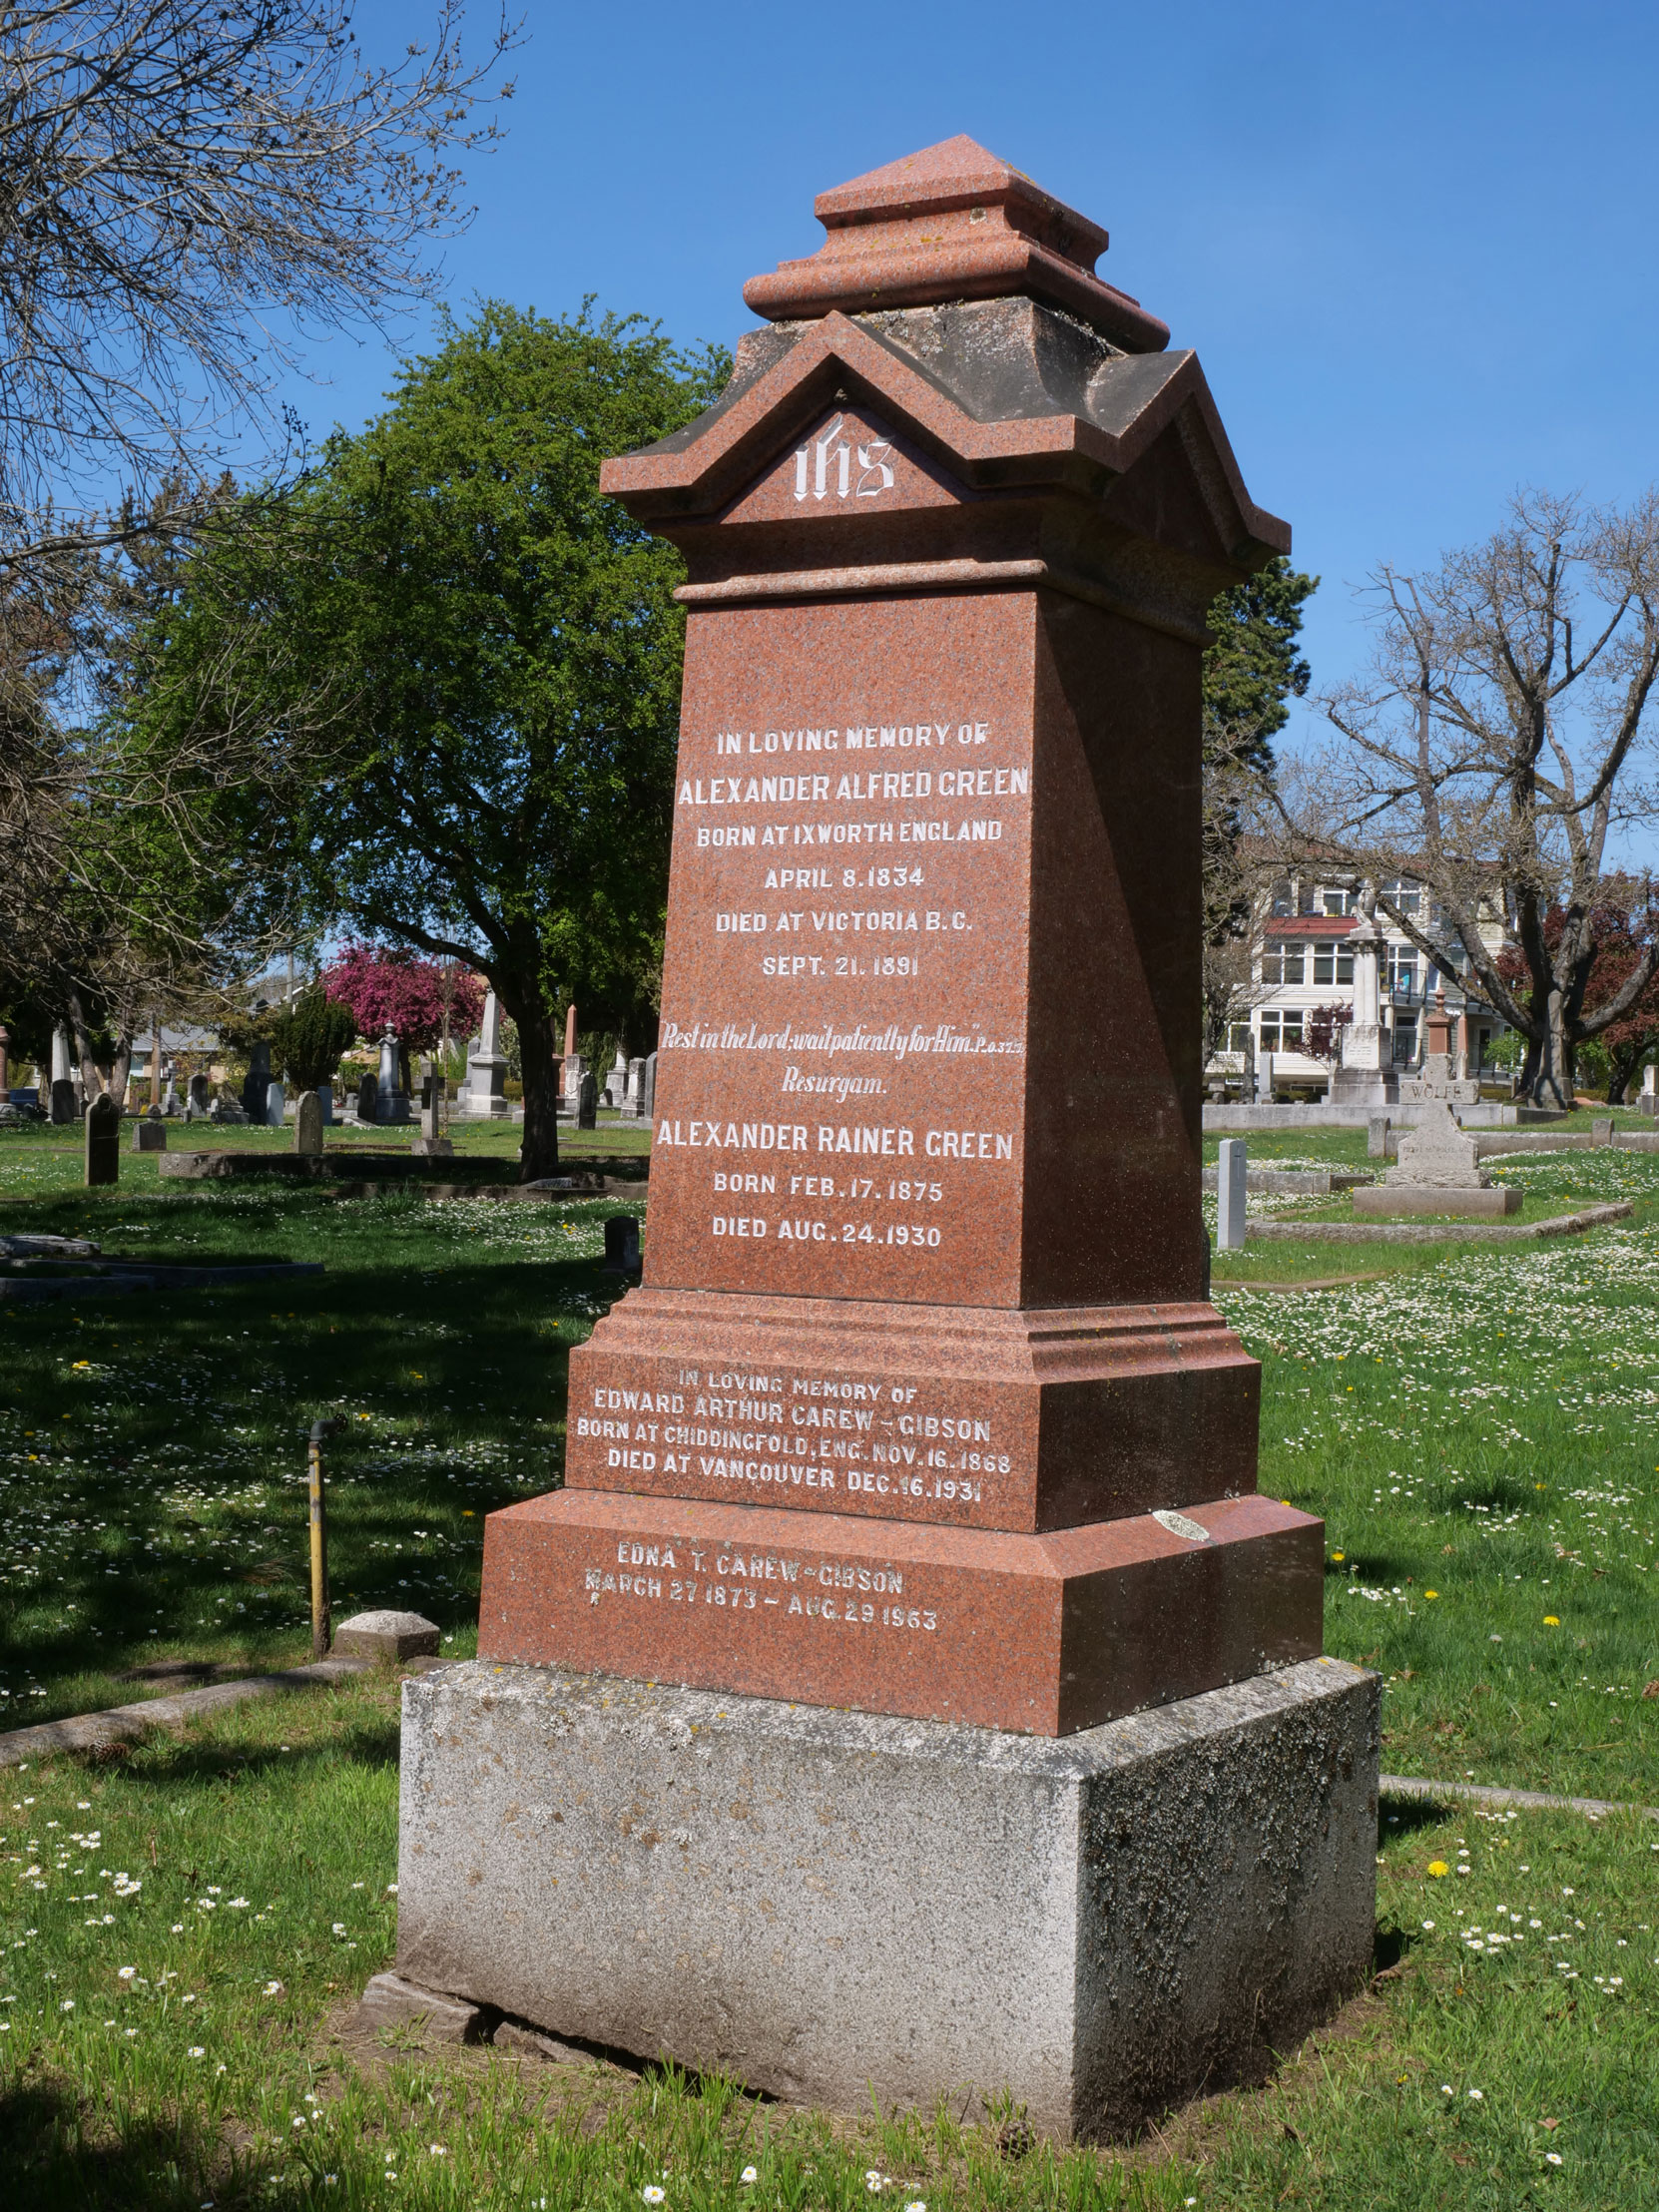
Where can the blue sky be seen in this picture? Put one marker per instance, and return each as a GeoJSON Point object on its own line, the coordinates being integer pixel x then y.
{"type": "Point", "coordinates": [1415, 246]}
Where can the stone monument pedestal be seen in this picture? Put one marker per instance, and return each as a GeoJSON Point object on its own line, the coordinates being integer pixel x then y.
{"type": "Point", "coordinates": [836, 1906]}
{"type": "Point", "coordinates": [1000, 1752]}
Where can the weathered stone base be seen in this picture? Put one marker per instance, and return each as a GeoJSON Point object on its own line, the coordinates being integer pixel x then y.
{"type": "Point", "coordinates": [1454, 1205]}
{"type": "Point", "coordinates": [1362, 1087]}
{"type": "Point", "coordinates": [834, 1906]}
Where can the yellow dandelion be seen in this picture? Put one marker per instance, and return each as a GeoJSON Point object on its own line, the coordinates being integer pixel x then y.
{"type": "Point", "coordinates": [1430, 1593]}
{"type": "Point", "coordinates": [1552, 1620]}
{"type": "Point", "coordinates": [1438, 1867]}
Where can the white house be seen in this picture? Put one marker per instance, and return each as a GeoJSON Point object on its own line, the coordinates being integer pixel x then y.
{"type": "Point", "coordinates": [1301, 961]}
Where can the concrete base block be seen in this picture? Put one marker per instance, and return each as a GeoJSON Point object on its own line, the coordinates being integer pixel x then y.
{"type": "Point", "coordinates": [1391, 1198]}
{"type": "Point", "coordinates": [833, 1905]}
{"type": "Point", "coordinates": [390, 2002]}
{"type": "Point", "coordinates": [387, 1635]}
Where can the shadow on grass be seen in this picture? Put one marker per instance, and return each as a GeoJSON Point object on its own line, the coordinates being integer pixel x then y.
{"type": "Point", "coordinates": [1404, 1816]}
{"type": "Point", "coordinates": [460, 1361]}
{"type": "Point", "coordinates": [58, 2154]}
{"type": "Point", "coordinates": [170, 1763]}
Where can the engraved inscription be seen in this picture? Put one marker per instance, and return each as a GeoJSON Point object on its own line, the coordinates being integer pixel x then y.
{"type": "Point", "coordinates": [797, 1439]}
{"type": "Point", "coordinates": [839, 884]}
{"type": "Point", "coordinates": [834, 466]}
{"type": "Point", "coordinates": [739, 1583]}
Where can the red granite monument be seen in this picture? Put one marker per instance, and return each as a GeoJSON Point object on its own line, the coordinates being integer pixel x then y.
{"type": "Point", "coordinates": [923, 1343]}
{"type": "Point", "coordinates": [909, 1695]}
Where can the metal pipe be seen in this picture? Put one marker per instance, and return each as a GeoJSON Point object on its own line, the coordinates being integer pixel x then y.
{"type": "Point", "coordinates": [322, 1626]}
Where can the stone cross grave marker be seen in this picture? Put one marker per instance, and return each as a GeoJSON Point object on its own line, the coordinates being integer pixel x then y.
{"type": "Point", "coordinates": [1437, 1153]}
{"type": "Point", "coordinates": [1437, 1171]}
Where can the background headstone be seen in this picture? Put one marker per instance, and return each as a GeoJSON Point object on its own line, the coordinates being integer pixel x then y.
{"type": "Point", "coordinates": [391, 1101]}
{"type": "Point", "coordinates": [622, 1244]}
{"type": "Point", "coordinates": [307, 1124]}
{"type": "Point", "coordinates": [616, 1083]}
{"type": "Point", "coordinates": [326, 1104]}
{"type": "Point", "coordinates": [587, 1104]}
{"type": "Point", "coordinates": [632, 1103]}
{"type": "Point", "coordinates": [368, 1099]}
{"type": "Point", "coordinates": [103, 1141]}
{"type": "Point", "coordinates": [648, 1089]}
{"type": "Point", "coordinates": [257, 1084]}
{"type": "Point", "coordinates": [276, 1105]}
{"type": "Point", "coordinates": [200, 1093]}
{"type": "Point", "coordinates": [486, 1069]}
{"type": "Point", "coordinates": [149, 1136]}
{"type": "Point", "coordinates": [1377, 1137]}
{"type": "Point", "coordinates": [1230, 1195]}
{"type": "Point", "coordinates": [63, 1106]}
{"type": "Point", "coordinates": [1437, 1155]}
{"type": "Point", "coordinates": [1601, 1129]}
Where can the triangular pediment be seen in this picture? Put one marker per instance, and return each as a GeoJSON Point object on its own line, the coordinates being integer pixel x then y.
{"type": "Point", "coordinates": [746, 445]}
{"type": "Point", "coordinates": [851, 462]}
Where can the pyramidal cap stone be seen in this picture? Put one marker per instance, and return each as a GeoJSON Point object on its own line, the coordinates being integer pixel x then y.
{"type": "Point", "coordinates": [912, 1306]}
{"type": "Point", "coordinates": [952, 223]}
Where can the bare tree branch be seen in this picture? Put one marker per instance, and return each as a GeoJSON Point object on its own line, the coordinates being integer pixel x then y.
{"type": "Point", "coordinates": [1489, 754]}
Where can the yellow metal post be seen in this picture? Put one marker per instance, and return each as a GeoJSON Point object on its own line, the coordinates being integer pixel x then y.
{"type": "Point", "coordinates": [322, 1627]}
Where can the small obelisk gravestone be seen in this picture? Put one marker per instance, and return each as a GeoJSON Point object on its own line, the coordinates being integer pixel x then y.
{"type": "Point", "coordinates": [1231, 1188]}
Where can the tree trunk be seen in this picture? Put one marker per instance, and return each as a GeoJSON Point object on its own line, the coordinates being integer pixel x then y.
{"type": "Point", "coordinates": [1552, 1081]}
{"type": "Point", "coordinates": [92, 1083]}
{"type": "Point", "coordinates": [1621, 1067]}
{"type": "Point", "coordinates": [541, 1049]}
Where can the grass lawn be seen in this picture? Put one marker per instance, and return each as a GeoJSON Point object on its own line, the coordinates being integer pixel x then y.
{"type": "Point", "coordinates": [1477, 1425]}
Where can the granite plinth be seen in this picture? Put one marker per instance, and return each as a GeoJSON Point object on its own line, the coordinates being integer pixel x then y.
{"type": "Point", "coordinates": [961, 1415]}
{"type": "Point", "coordinates": [1044, 1633]}
{"type": "Point", "coordinates": [833, 1907]}
{"type": "Point", "coordinates": [1472, 1204]}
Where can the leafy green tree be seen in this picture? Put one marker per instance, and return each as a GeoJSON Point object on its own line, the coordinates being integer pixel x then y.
{"type": "Point", "coordinates": [480, 658]}
{"type": "Point", "coordinates": [1254, 665]}
{"type": "Point", "coordinates": [1252, 668]}
{"type": "Point", "coordinates": [310, 1037]}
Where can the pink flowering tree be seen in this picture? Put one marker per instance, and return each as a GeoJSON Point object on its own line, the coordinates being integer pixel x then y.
{"type": "Point", "coordinates": [387, 984]}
